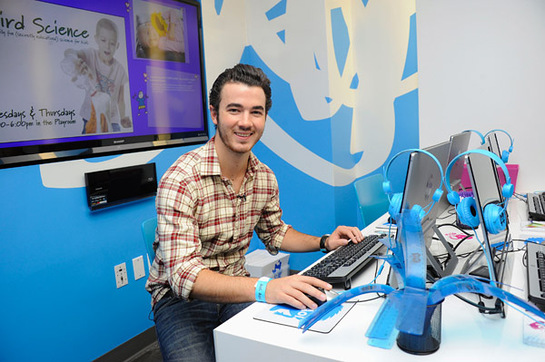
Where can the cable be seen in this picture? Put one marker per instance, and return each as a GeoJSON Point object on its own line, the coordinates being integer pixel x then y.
{"type": "Point", "coordinates": [378, 271]}
{"type": "Point", "coordinates": [476, 305]}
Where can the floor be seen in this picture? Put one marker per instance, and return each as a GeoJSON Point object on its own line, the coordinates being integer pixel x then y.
{"type": "Point", "coordinates": [150, 353]}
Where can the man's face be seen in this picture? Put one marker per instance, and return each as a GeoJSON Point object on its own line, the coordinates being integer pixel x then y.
{"type": "Point", "coordinates": [107, 44]}
{"type": "Point", "coordinates": [240, 119]}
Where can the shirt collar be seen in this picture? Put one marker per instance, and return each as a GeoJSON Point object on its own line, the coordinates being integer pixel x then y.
{"type": "Point", "coordinates": [212, 165]}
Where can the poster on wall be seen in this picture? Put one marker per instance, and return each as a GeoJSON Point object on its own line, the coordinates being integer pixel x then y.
{"type": "Point", "coordinates": [76, 71]}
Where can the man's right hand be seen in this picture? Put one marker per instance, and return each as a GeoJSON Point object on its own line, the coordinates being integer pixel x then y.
{"type": "Point", "coordinates": [295, 289]}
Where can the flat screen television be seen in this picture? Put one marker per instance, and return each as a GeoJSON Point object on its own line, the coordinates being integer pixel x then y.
{"type": "Point", "coordinates": [93, 78]}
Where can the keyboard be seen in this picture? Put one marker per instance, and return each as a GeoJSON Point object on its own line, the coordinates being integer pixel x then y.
{"type": "Point", "coordinates": [340, 265]}
{"type": "Point", "coordinates": [536, 274]}
{"type": "Point", "coordinates": [536, 206]}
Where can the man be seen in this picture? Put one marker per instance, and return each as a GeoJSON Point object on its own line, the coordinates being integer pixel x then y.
{"type": "Point", "coordinates": [209, 202]}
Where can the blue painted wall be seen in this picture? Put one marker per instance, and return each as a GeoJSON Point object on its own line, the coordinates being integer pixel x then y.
{"type": "Point", "coordinates": [60, 300]}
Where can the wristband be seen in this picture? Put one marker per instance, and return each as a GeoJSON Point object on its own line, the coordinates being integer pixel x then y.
{"type": "Point", "coordinates": [260, 288]}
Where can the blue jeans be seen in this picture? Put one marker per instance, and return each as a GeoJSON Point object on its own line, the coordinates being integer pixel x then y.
{"type": "Point", "coordinates": [185, 328]}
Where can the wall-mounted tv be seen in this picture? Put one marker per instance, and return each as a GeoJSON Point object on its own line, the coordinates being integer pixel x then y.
{"type": "Point", "coordinates": [91, 78]}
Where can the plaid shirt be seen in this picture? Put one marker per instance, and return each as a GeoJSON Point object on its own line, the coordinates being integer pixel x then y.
{"type": "Point", "coordinates": [203, 224]}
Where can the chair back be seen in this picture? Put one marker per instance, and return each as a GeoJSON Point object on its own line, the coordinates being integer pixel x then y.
{"type": "Point", "coordinates": [372, 200]}
{"type": "Point", "coordinates": [148, 232]}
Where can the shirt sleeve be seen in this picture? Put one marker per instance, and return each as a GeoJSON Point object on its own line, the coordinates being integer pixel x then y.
{"type": "Point", "coordinates": [270, 228]}
{"type": "Point", "coordinates": [178, 236]}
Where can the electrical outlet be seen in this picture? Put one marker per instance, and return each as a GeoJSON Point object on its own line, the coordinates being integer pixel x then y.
{"type": "Point", "coordinates": [138, 267]}
{"type": "Point", "coordinates": [121, 275]}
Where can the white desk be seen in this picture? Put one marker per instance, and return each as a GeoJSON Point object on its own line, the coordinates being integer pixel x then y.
{"type": "Point", "coordinates": [466, 335]}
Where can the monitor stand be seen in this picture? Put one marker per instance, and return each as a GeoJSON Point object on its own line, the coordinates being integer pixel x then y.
{"type": "Point", "coordinates": [502, 271]}
{"type": "Point", "coordinates": [452, 262]}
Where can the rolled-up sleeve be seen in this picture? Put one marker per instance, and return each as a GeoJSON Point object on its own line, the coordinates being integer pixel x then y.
{"type": "Point", "coordinates": [270, 228]}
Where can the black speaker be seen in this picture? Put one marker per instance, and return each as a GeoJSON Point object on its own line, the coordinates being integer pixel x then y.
{"type": "Point", "coordinates": [117, 186]}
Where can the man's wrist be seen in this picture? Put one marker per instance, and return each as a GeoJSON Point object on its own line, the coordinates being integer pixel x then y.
{"type": "Point", "coordinates": [323, 241]}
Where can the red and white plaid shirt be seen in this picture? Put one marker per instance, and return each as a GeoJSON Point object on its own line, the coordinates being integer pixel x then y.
{"type": "Point", "coordinates": [202, 223]}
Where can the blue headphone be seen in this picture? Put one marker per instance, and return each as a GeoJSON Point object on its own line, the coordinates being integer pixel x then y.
{"type": "Point", "coordinates": [417, 211]}
{"type": "Point", "coordinates": [505, 153]}
{"type": "Point", "coordinates": [466, 208]}
{"type": "Point", "coordinates": [478, 133]}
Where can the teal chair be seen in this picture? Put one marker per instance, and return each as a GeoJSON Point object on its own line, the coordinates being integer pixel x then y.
{"type": "Point", "coordinates": [148, 232]}
{"type": "Point", "coordinates": [371, 198]}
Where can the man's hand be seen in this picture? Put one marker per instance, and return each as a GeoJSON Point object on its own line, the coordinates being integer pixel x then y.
{"type": "Point", "coordinates": [291, 290]}
{"type": "Point", "coordinates": [342, 235]}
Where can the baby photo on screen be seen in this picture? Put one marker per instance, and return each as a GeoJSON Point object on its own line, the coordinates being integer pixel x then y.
{"type": "Point", "coordinates": [159, 32]}
{"type": "Point", "coordinates": [103, 77]}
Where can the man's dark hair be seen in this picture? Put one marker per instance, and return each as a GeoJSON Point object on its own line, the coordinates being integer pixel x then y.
{"type": "Point", "coordinates": [245, 74]}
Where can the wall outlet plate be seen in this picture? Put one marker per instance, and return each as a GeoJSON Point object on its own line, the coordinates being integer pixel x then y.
{"type": "Point", "coordinates": [121, 275]}
{"type": "Point", "coordinates": [138, 267]}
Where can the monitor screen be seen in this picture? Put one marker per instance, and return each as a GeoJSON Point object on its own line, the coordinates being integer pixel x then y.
{"type": "Point", "coordinates": [91, 78]}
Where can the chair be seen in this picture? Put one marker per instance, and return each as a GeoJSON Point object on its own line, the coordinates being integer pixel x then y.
{"type": "Point", "coordinates": [148, 232]}
{"type": "Point", "coordinates": [371, 197]}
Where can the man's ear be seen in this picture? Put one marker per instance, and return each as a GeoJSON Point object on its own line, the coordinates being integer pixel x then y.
{"type": "Point", "coordinates": [214, 115]}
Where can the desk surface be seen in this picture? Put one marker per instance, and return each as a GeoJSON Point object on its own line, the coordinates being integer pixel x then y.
{"type": "Point", "coordinates": [466, 334]}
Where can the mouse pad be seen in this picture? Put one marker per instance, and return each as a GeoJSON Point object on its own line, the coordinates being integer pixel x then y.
{"type": "Point", "coordinates": [289, 316]}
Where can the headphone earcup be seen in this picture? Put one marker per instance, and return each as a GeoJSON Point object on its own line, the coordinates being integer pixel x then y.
{"type": "Point", "coordinates": [467, 212]}
{"type": "Point", "coordinates": [453, 197]}
{"type": "Point", "coordinates": [395, 205]}
{"type": "Point", "coordinates": [505, 156]}
{"type": "Point", "coordinates": [386, 187]}
{"type": "Point", "coordinates": [437, 195]}
{"type": "Point", "coordinates": [417, 214]}
{"type": "Point", "coordinates": [494, 218]}
{"type": "Point", "coordinates": [508, 190]}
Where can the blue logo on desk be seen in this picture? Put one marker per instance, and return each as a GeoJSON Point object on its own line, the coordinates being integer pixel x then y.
{"type": "Point", "coordinates": [290, 312]}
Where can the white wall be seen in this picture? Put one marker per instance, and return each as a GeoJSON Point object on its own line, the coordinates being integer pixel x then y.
{"type": "Point", "coordinates": [481, 65]}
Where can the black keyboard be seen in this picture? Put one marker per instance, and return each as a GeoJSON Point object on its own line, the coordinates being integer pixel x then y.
{"type": "Point", "coordinates": [340, 265]}
{"type": "Point", "coordinates": [536, 274]}
{"type": "Point", "coordinates": [536, 206]}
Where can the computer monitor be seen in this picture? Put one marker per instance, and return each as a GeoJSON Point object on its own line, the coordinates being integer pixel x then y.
{"type": "Point", "coordinates": [441, 152]}
{"type": "Point", "coordinates": [486, 186]}
{"type": "Point", "coordinates": [423, 179]}
{"type": "Point", "coordinates": [492, 144]}
{"type": "Point", "coordinates": [459, 143]}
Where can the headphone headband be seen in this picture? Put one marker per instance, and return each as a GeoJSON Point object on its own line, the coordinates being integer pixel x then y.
{"type": "Point", "coordinates": [507, 189]}
{"type": "Point", "coordinates": [505, 153]}
{"type": "Point", "coordinates": [478, 133]}
{"type": "Point", "coordinates": [387, 167]}
{"type": "Point", "coordinates": [503, 131]}
{"type": "Point", "coordinates": [395, 201]}
{"type": "Point", "coordinates": [494, 216]}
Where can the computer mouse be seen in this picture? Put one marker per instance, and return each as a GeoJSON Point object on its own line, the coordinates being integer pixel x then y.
{"type": "Point", "coordinates": [316, 300]}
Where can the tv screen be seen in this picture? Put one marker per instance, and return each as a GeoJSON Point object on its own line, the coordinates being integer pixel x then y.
{"type": "Point", "coordinates": [91, 78]}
